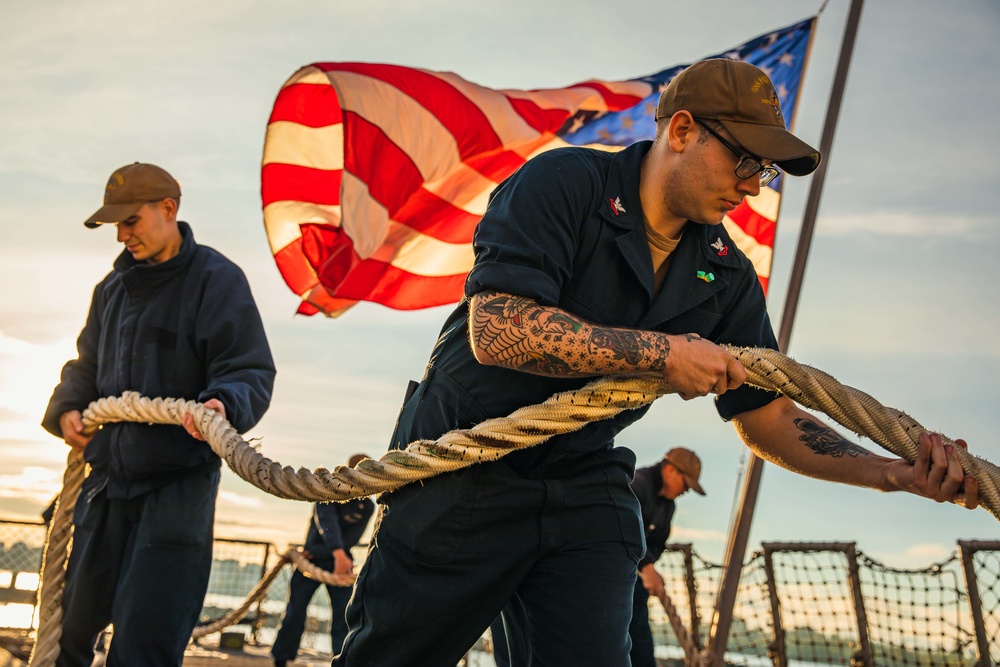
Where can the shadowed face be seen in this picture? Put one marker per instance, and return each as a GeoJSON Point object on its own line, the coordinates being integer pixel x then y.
{"type": "Point", "coordinates": [151, 233]}
{"type": "Point", "coordinates": [673, 482]}
{"type": "Point", "coordinates": [705, 187]}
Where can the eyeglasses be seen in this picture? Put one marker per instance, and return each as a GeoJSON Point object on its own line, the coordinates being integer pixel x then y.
{"type": "Point", "coordinates": [747, 166]}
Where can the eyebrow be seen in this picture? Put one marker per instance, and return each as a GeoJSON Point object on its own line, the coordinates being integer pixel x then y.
{"type": "Point", "coordinates": [764, 162]}
{"type": "Point", "coordinates": [733, 145]}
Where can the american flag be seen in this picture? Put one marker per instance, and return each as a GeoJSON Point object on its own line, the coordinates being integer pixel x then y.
{"type": "Point", "coordinates": [374, 176]}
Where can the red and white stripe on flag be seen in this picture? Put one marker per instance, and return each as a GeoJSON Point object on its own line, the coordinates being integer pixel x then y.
{"type": "Point", "coordinates": [375, 176]}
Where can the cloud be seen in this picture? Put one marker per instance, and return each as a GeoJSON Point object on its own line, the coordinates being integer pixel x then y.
{"type": "Point", "coordinates": [93, 87]}
{"type": "Point", "coordinates": [680, 533]}
{"type": "Point", "coordinates": [238, 499]}
{"type": "Point", "coordinates": [13, 347]}
{"type": "Point", "coordinates": [929, 552]}
{"type": "Point", "coordinates": [30, 372]}
{"type": "Point", "coordinates": [918, 224]}
{"type": "Point", "coordinates": [33, 483]}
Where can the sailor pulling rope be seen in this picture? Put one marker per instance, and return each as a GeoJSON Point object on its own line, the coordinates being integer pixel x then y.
{"type": "Point", "coordinates": [488, 441]}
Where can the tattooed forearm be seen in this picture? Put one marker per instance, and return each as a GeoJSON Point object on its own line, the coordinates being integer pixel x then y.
{"type": "Point", "coordinates": [826, 442]}
{"type": "Point", "coordinates": [514, 332]}
{"type": "Point", "coordinates": [628, 346]}
{"type": "Point", "coordinates": [504, 308]}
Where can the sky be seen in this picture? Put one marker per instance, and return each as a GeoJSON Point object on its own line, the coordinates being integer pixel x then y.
{"type": "Point", "coordinates": [896, 300]}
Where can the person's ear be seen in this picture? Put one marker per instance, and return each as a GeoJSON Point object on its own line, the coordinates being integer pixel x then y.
{"type": "Point", "coordinates": [169, 208]}
{"type": "Point", "coordinates": [666, 471]}
{"type": "Point", "coordinates": [681, 131]}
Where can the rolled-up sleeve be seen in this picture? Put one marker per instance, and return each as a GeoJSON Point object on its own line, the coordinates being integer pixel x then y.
{"type": "Point", "coordinates": [525, 243]}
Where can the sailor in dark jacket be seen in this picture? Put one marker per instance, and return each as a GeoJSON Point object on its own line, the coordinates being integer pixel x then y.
{"type": "Point", "coordinates": [657, 487]}
{"type": "Point", "coordinates": [333, 529]}
{"type": "Point", "coordinates": [173, 319]}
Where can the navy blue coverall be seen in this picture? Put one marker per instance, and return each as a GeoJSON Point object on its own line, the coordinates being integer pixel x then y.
{"type": "Point", "coordinates": [332, 526]}
{"type": "Point", "coordinates": [143, 524]}
{"type": "Point", "coordinates": [555, 527]}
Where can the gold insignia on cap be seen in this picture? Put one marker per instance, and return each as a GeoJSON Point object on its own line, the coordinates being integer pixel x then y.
{"type": "Point", "coordinates": [776, 105]}
{"type": "Point", "coordinates": [115, 181]}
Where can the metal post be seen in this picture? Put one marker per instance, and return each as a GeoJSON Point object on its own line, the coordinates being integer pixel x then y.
{"type": "Point", "coordinates": [854, 579]}
{"type": "Point", "coordinates": [692, 593]}
{"type": "Point", "coordinates": [736, 547]}
{"type": "Point", "coordinates": [258, 619]}
{"type": "Point", "coordinates": [968, 550]}
{"type": "Point", "coordinates": [777, 650]}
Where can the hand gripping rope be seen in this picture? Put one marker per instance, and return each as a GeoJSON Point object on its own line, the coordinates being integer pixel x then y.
{"type": "Point", "coordinates": [487, 441]}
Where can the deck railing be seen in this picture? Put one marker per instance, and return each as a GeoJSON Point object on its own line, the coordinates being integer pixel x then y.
{"type": "Point", "coordinates": [798, 603]}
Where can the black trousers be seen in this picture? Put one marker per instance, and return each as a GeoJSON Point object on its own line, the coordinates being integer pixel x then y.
{"type": "Point", "coordinates": [300, 592]}
{"type": "Point", "coordinates": [511, 636]}
{"type": "Point", "coordinates": [449, 554]}
{"type": "Point", "coordinates": [639, 630]}
{"type": "Point", "coordinates": [141, 564]}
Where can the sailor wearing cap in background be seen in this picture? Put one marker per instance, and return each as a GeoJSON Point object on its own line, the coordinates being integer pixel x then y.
{"type": "Point", "coordinates": [172, 319]}
{"type": "Point", "coordinates": [656, 487]}
{"type": "Point", "coordinates": [591, 263]}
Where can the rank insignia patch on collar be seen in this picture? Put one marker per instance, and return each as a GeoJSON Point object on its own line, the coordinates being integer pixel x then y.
{"type": "Point", "coordinates": [720, 249]}
{"type": "Point", "coordinates": [616, 206]}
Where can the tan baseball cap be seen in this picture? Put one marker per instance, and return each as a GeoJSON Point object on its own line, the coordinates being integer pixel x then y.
{"type": "Point", "coordinates": [129, 188]}
{"type": "Point", "coordinates": [742, 98]}
{"type": "Point", "coordinates": [356, 459]}
{"type": "Point", "coordinates": [688, 465]}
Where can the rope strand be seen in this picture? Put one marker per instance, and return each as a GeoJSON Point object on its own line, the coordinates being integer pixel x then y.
{"type": "Point", "coordinates": [487, 441]}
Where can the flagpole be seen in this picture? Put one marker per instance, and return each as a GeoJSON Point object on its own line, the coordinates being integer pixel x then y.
{"type": "Point", "coordinates": [736, 547]}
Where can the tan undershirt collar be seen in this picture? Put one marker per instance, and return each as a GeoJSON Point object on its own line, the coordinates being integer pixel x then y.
{"type": "Point", "coordinates": [661, 250]}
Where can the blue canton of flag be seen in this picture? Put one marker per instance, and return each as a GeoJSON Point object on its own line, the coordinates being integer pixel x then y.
{"type": "Point", "coordinates": [414, 185]}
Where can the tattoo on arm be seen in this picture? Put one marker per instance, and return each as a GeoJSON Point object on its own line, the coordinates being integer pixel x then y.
{"type": "Point", "coordinates": [628, 346]}
{"type": "Point", "coordinates": [519, 333]}
{"type": "Point", "coordinates": [826, 442]}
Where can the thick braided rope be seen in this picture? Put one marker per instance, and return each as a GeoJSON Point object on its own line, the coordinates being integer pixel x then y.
{"type": "Point", "coordinates": [683, 636]}
{"type": "Point", "coordinates": [487, 441]}
{"type": "Point", "coordinates": [299, 561]}
{"type": "Point", "coordinates": [302, 563]}
{"type": "Point", "coordinates": [54, 557]}
{"type": "Point", "coordinates": [296, 557]}
{"type": "Point", "coordinates": [234, 615]}
{"type": "Point", "coordinates": [490, 440]}
{"type": "Point", "coordinates": [853, 409]}
{"type": "Point", "coordinates": [531, 425]}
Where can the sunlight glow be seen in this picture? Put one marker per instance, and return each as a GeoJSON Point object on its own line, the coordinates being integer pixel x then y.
{"type": "Point", "coordinates": [27, 581]}
{"type": "Point", "coordinates": [17, 616]}
{"type": "Point", "coordinates": [28, 373]}
{"type": "Point", "coordinates": [238, 499]}
{"type": "Point", "coordinates": [33, 483]}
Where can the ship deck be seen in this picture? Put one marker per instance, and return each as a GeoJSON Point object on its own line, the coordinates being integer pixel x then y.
{"type": "Point", "coordinates": [200, 656]}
